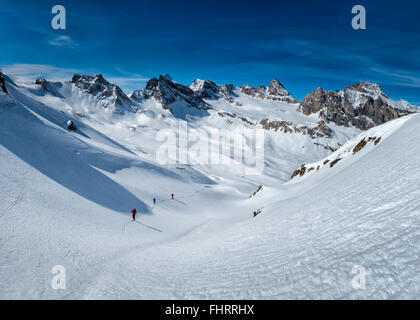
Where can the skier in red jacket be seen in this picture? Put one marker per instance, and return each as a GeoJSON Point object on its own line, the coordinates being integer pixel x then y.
{"type": "Point", "coordinates": [133, 212]}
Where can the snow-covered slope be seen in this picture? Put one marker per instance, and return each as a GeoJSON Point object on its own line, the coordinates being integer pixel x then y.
{"type": "Point", "coordinates": [66, 197]}
{"type": "Point", "coordinates": [305, 243]}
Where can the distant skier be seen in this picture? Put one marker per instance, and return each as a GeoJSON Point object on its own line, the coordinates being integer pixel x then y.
{"type": "Point", "coordinates": [154, 201]}
{"type": "Point", "coordinates": [173, 196]}
{"type": "Point", "coordinates": [133, 213]}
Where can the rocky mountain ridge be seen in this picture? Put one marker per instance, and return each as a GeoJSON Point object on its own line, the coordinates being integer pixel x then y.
{"type": "Point", "coordinates": [108, 93]}
{"type": "Point", "coordinates": [275, 91]}
{"type": "Point", "coordinates": [363, 105]}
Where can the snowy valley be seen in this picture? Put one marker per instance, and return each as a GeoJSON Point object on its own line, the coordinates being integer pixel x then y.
{"type": "Point", "coordinates": [338, 188]}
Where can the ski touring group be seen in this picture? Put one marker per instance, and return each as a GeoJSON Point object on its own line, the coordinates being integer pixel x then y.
{"type": "Point", "coordinates": [134, 211]}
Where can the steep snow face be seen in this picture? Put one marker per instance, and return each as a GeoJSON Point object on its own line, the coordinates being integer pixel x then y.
{"type": "Point", "coordinates": [274, 91]}
{"type": "Point", "coordinates": [207, 89]}
{"type": "Point", "coordinates": [179, 99]}
{"type": "Point", "coordinates": [49, 87]}
{"type": "Point", "coordinates": [351, 151]}
{"type": "Point", "coordinates": [110, 95]}
{"type": "Point", "coordinates": [311, 240]}
{"type": "Point", "coordinates": [363, 105]}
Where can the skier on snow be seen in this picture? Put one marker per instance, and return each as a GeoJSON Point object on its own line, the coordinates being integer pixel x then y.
{"type": "Point", "coordinates": [133, 213]}
{"type": "Point", "coordinates": [172, 196]}
{"type": "Point", "coordinates": [154, 201]}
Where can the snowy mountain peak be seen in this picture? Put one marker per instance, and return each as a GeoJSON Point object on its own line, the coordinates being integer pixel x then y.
{"type": "Point", "coordinates": [368, 87]}
{"type": "Point", "coordinates": [109, 94]}
{"type": "Point", "coordinates": [362, 105]}
{"type": "Point", "coordinates": [181, 100]}
{"type": "Point", "coordinates": [275, 91]}
{"type": "Point", "coordinates": [166, 77]}
{"type": "Point", "coordinates": [208, 89]}
{"type": "Point", "coordinates": [48, 86]}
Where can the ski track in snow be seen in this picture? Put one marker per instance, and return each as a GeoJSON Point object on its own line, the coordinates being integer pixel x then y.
{"type": "Point", "coordinates": [10, 206]}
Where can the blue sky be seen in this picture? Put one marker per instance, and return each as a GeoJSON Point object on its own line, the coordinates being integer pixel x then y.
{"type": "Point", "coordinates": [304, 44]}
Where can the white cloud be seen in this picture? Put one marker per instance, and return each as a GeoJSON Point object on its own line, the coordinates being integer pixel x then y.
{"type": "Point", "coordinates": [32, 71]}
{"type": "Point", "coordinates": [398, 77]}
{"type": "Point", "coordinates": [62, 41]}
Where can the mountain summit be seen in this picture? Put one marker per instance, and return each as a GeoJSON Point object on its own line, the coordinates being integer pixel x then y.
{"type": "Point", "coordinates": [362, 105]}
{"type": "Point", "coordinates": [275, 91]}
{"type": "Point", "coordinates": [181, 100]}
{"type": "Point", "coordinates": [207, 89]}
{"type": "Point", "coordinates": [109, 94]}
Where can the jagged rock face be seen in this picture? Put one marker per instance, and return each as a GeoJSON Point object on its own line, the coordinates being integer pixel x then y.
{"type": "Point", "coordinates": [2, 84]}
{"type": "Point", "coordinates": [169, 93]}
{"type": "Point", "coordinates": [108, 93]}
{"type": "Point", "coordinates": [362, 105]}
{"type": "Point", "coordinates": [319, 130]}
{"type": "Point", "coordinates": [207, 89]}
{"type": "Point", "coordinates": [258, 92]}
{"type": "Point", "coordinates": [274, 91]}
{"type": "Point", "coordinates": [47, 86]}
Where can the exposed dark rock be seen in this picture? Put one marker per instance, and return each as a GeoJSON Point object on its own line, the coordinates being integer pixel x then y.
{"type": "Point", "coordinates": [320, 130]}
{"type": "Point", "coordinates": [274, 91]}
{"type": "Point", "coordinates": [326, 147]}
{"type": "Point", "coordinates": [359, 146]}
{"type": "Point", "coordinates": [334, 162]}
{"type": "Point", "coordinates": [260, 187]}
{"type": "Point", "coordinates": [108, 93]}
{"type": "Point", "coordinates": [257, 212]}
{"type": "Point", "coordinates": [3, 84]}
{"type": "Point", "coordinates": [234, 116]}
{"type": "Point", "coordinates": [295, 173]}
{"type": "Point", "coordinates": [207, 89]}
{"type": "Point", "coordinates": [173, 96]}
{"type": "Point", "coordinates": [362, 105]}
{"type": "Point", "coordinates": [70, 125]}
{"type": "Point", "coordinates": [48, 87]}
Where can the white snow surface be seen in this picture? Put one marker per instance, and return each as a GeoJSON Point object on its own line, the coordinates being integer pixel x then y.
{"type": "Point", "coordinates": [66, 196]}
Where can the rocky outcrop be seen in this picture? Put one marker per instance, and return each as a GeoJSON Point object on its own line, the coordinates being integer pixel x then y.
{"type": "Point", "coordinates": [48, 86]}
{"type": "Point", "coordinates": [274, 91]}
{"type": "Point", "coordinates": [109, 94]}
{"type": "Point", "coordinates": [319, 130]}
{"type": "Point", "coordinates": [362, 105]}
{"type": "Point", "coordinates": [207, 89]}
{"type": "Point", "coordinates": [179, 99]}
{"type": "Point", "coordinates": [2, 84]}
{"type": "Point", "coordinates": [332, 162]}
{"type": "Point", "coordinates": [235, 116]}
